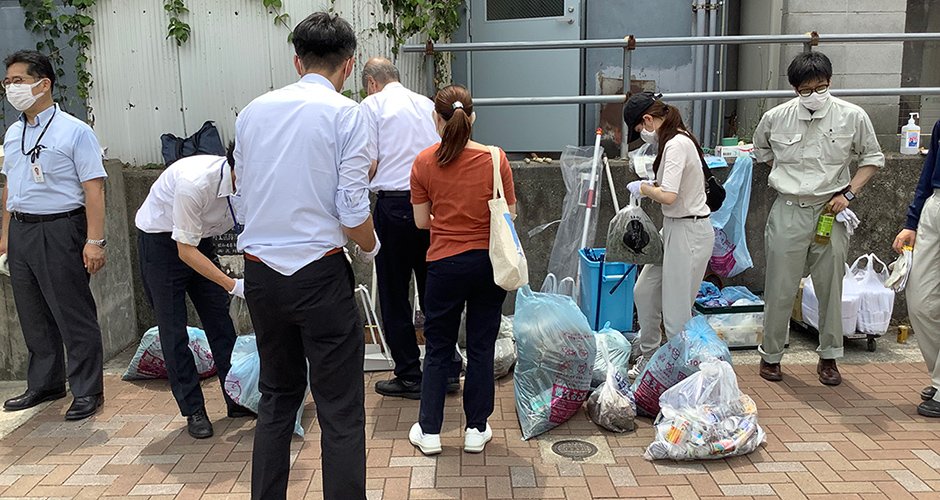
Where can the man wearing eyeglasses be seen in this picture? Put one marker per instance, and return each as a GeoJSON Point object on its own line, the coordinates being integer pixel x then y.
{"type": "Point", "coordinates": [809, 143]}
{"type": "Point", "coordinates": [53, 234]}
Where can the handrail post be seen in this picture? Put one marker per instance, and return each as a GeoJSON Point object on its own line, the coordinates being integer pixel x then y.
{"type": "Point", "coordinates": [429, 68]}
{"type": "Point", "coordinates": [813, 42]}
{"type": "Point", "coordinates": [627, 84]}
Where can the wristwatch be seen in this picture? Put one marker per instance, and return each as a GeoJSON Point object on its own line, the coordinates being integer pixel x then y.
{"type": "Point", "coordinates": [847, 192]}
{"type": "Point", "coordinates": [98, 243]}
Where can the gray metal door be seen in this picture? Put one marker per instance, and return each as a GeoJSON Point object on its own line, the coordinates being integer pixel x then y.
{"type": "Point", "coordinates": [529, 73]}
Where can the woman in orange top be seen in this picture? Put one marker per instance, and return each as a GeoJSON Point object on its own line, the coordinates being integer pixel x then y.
{"type": "Point", "coordinates": [451, 183]}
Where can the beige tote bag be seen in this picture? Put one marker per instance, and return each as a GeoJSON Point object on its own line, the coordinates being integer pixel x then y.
{"type": "Point", "coordinates": [510, 269]}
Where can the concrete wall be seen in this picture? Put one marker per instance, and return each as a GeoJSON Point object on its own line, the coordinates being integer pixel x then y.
{"type": "Point", "coordinates": [858, 65]}
{"type": "Point", "coordinates": [112, 288]}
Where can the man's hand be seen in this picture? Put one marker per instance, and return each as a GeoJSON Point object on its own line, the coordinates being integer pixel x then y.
{"type": "Point", "coordinates": [367, 257]}
{"type": "Point", "coordinates": [838, 203]}
{"type": "Point", "coordinates": [3, 246]}
{"type": "Point", "coordinates": [905, 238]}
{"type": "Point", "coordinates": [239, 289]}
{"type": "Point", "coordinates": [94, 258]}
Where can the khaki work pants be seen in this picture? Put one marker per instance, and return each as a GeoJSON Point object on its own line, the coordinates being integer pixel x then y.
{"type": "Point", "coordinates": [788, 239]}
{"type": "Point", "coordinates": [666, 293]}
{"type": "Point", "coordinates": [923, 286]}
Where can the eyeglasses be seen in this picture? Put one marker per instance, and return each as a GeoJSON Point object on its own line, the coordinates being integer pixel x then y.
{"type": "Point", "coordinates": [819, 90]}
{"type": "Point", "coordinates": [16, 80]}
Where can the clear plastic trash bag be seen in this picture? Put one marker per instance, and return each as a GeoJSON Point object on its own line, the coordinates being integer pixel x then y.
{"type": "Point", "coordinates": [675, 361]}
{"type": "Point", "coordinates": [576, 170]}
{"type": "Point", "coordinates": [556, 351]}
{"type": "Point", "coordinates": [632, 238]}
{"type": "Point", "coordinates": [611, 406]}
{"type": "Point", "coordinates": [616, 348]}
{"type": "Point", "coordinates": [706, 416]}
{"type": "Point", "coordinates": [730, 255]}
{"type": "Point", "coordinates": [149, 362]}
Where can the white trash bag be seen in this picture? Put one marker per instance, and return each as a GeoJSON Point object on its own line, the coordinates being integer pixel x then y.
{"type": "Point", "coordinates": [706, 416]}
{"type": "Point", "coordinates": [612, 406]}
{"type": "Point", "coordinates": [876, 302]}
{"type": "Point", "coordinates": [150, 363]}
{"type": "Point", "coordinates": [850, 303]}
{"type": "Point", "coordinates": [241, 383]}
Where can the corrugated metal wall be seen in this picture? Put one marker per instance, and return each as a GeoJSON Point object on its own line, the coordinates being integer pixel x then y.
{"type": "Point", "coordinates": [144, 85]}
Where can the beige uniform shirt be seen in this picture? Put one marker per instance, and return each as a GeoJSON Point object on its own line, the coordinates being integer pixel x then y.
{"type": "Point", "coordinates": [681, 173]}
{"type": "Point", "coordinates": [812, 152]}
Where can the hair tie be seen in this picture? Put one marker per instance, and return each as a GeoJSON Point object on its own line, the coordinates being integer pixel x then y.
{"type": "Point", "coordinates": [458, 104]}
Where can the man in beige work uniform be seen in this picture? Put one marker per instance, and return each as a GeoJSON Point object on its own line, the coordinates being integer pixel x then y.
{"type": "Point", "coordinates": [809, 143]}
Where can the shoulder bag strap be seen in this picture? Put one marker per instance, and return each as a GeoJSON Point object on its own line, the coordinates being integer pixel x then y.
{"type": "Point", "coordinates": [497, 179]}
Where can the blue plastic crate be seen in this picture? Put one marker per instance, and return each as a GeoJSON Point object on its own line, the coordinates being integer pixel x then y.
{"type": "Point", "coordinates": [617, 308]}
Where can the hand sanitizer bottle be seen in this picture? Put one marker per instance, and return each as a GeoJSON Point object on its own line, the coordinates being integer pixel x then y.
{"type": "Point", "coordinates": [910, 136]}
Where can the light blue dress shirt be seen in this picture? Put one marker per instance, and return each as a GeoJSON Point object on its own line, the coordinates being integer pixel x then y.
{"type": "Point", "coordinates": [302, 172]}
{"type": "Point", "coordinates": [70, 157]}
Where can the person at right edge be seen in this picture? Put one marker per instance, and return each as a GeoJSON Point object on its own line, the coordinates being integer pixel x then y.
{"type": "Point", "coordinates": [302, 169]}
{"type": "Point", "coordinates": [454, 181]}
{"type": "Point", "coordinates": [922, 232]}
{"type": "Point", "coordinates": [809, 143]}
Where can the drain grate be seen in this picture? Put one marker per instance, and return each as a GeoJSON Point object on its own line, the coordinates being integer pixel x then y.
{"type": "Point", "coordinates": [574, 449]}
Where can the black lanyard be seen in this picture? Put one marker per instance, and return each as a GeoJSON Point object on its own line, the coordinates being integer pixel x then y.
{"type": "Point", "coordinates": [231, 209]}
{"type": "Point", "coordinates": [34, 152]}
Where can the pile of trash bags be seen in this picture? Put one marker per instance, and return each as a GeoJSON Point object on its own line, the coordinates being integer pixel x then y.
{"type": "Point", "coordinates": [675, 361]}
{"type": "Point", "coordinates": [706, 416]}
{"type": "Point", "coordinates": [241, 383]}
{"type": "Point", "coordinates": [613, 353]}
{"type": "Point", "coordinates": [556, 350]}
{"type": "Point", "coordinates": [611, 405]}
{"type": "Point", "coordinates": [149, 362]}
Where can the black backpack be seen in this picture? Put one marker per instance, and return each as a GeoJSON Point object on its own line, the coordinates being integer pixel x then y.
{"type": "Point", "coordinates": [204, 142]}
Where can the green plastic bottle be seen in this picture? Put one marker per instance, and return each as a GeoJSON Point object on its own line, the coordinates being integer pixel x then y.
{"type": "Point", "coordinates": [824, 226]}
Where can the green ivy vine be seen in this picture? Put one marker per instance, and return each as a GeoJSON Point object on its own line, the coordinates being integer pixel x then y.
{"type": "Point", "coordinates": [43, 18]}
{"type": "Point", "coordinates": [280, 18]}
{"type": "Point", "coordinates": [438, 19]}
{"type": "Point", "coordinates": [177, 29]}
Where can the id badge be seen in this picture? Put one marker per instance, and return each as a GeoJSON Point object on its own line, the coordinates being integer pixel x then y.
{"type": "Point", "coordinates": [36, 170]}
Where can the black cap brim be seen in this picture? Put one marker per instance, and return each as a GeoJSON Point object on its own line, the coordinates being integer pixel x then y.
{"type": "Point", "coordinates": [633, 111]}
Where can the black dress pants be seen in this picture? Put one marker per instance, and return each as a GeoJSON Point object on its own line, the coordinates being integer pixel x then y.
{"type": "Point", "coordinates": [404, 250]}
{"type": "Point", "coordinates": [466, 278]}
{"type": "Point", "coordinates": [310, 316]}
{"type": "Point", "coordinates": [167, 280]}
{"type": "Point", "coordinates": [55, 306]}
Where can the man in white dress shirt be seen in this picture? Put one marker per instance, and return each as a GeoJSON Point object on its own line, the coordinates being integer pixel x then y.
{"type": "Point", "coordinates": [187, 205]}
{"type": "Point", "coordinates": [301, 155]}
{"type": "Point", "coordinates": [400, 126]}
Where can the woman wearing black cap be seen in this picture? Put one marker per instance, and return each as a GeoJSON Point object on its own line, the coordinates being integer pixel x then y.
{"type": "Point", "coordinates": [666, 293]}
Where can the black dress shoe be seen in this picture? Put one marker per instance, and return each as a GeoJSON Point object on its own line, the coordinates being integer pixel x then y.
{"type": "Point", "coordinates": [31, 398]}
{"type": "Point", "coordinates": [84, 407]}
{"type": "Point", "coordinates": [238, 411]}
{"type": "Point", "coordinates": [453, 384]}
{"type": "Point", "coordinates": [928, 393]}
{"type": "Point", "coordinates": [198, 425]}
{"type": "Point", "coordinates": [398, 387]}
{"type": "Point", "coordinates": [929, 408]}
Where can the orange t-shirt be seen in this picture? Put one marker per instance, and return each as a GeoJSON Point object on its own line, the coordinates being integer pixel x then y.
{"type": "Point", "coordinates": [458, 193]}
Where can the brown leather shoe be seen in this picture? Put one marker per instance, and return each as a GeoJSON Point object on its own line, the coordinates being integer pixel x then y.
{"type": "Point", "coordinates": [770, 371]}
{"type": "Point", "coordinates": [828, 373]}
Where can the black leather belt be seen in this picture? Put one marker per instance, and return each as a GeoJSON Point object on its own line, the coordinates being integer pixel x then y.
{"type": "Point", "coordinates": [32, 219]}
{"type": "Point", "coordinates": [393, 194]}
{"type": "Point", "coordinates": [693, 217]}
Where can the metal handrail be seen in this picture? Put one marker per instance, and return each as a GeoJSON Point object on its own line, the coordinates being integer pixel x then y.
{"type": "Point", "coordinates": [675, 41]}
{"type": "Point", "coordinates": [696, 96]}
{"type": "Point", "coordinates": [629, 44]}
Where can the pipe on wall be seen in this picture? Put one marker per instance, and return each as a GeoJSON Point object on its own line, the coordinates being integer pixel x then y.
{"type": "Point", "coordinates": [698, 67]}
{"type": "Point", "coordinates": [712, 14]}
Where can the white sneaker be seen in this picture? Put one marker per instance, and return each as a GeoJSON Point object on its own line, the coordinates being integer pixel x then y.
{"type": "Point", "coordinates": [637, 368]}
{"type": "Point", "coordinates": [474, 440]}
{"type": "Point", "coordinates": [429, 444]}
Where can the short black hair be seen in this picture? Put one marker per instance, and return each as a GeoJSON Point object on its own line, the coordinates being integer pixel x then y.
{"type": "Point", "coordinates": [230, 153]}
{"type": "Point", "coordinates": [809, 66]}
{"type": "Point", "coordinates": [38, 65]}
{"type": "Point", "coordinates": [323, 41]}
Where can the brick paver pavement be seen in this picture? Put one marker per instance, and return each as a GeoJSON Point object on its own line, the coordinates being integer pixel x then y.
{"type": "Point", "coordinates": [861, 440]}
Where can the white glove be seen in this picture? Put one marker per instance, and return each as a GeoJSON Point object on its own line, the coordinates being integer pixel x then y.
{"type": "Point", "coordinates": [4, 265]}
{"type": "Point", "coordinates": [239, 289]}
{"type": "Point", "coordinates": [634, 188]}
{"type": "Point", "coordinates": [850, 220]}
{"type": "Point", "coordinates": [367, 257]}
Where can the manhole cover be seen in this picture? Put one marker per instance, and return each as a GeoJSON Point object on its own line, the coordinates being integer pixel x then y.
{"type": "Point", "coordinates": [574, 449]}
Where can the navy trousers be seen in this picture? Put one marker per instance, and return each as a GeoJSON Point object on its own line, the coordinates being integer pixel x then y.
{"type": "Point", "coordinates": [167, 280]}
{"type": "Point", "coordinates": [464, 279]}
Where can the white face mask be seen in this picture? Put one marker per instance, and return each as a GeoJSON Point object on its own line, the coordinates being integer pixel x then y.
{"type": "Point", "coordinates": [21, 95]}
{"type": "Point", "coordinates": [815, 101]}
{"type": "Point", "coordinates": [649, 137]}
